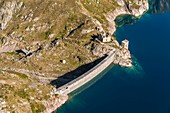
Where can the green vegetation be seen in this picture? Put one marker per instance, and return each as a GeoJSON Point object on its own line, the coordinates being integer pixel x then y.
{"type": "Point", "coordinates": [21, 75]}
{"type": "Point", "coordinates": [37, 107]}
{"type": "Point", "coordinates": [22, 93]}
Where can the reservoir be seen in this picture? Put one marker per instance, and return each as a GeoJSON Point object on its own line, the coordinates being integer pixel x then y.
{"type": "Point", "coordinates": [143, 89]}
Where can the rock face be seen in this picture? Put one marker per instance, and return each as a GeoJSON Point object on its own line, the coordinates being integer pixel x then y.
{"type": "Point", "coordinates": [7, 45]}
{"type": "Point", "coordinates": [54, 103]}
{"type": "Point", "coordinates": [126, 7]}
{"type": "Point", "coordinates": [159, 6]}
{"type": "Point", "coordinates": [123, 57]}
{"type": "Point", "coordinates": [2, 105]}
{"type": "Point", "coordinates": [7, 9]}
{"type": "Point", "coordinates": [100, 50]}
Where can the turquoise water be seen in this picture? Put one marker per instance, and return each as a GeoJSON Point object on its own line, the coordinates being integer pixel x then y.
{"type": "Point", "coordinates": [143, 89]}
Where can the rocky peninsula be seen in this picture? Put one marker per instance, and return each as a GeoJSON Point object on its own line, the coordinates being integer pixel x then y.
{"type": "Point", "coordinates": [41, 41]}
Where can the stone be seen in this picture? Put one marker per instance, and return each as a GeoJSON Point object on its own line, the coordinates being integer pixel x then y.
{"type": "Point", "coordinates": [51, 36]}
{"type": "Point", "coordinates": [63, 61]}
{"type": "Point", "coordinates": [120, 2]}
{"type": "Point", "coordinates": [6, 12]}
{"type": "Point", "coordinates": [31, 98]}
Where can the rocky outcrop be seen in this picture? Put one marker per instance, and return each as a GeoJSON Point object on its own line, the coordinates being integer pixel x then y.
{"type": "Point", "coordinates": [159, 6]}
{"type": "Point", "coordinates": [122, 57]}
{"type": "Point", "coordinates": [7, 9]}
{"type": "Point", "coordinates": [7, 45]}
{"type": "Point", "coordinates": [2, 105]}
{"type": "Point", "coordinates": [55, 102]}
{"type": "Point", "coordinates": [137, 8]}
{"type": "Point", "coordinates": [100, 50]}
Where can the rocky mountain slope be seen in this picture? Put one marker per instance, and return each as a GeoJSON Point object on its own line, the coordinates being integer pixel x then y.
{"type": "Point", "coordinates": [41, 40]}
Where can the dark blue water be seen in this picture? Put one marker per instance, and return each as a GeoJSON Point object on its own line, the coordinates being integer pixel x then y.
{"type": "Point", "coordinates": [143, 89]}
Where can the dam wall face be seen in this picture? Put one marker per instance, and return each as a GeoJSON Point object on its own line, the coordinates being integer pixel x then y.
{"type": "Point", "coordinates": [86, 77]}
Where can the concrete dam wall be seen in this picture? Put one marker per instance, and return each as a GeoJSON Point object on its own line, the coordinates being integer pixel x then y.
{"type": "Point", "coordinates": [86, 77]}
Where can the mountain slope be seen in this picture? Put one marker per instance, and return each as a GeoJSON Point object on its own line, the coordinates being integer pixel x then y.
{"type": "Point", "coordinates": [41, 40]}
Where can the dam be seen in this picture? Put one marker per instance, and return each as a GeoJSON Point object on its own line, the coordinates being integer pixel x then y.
{"type": "Point", "coordinates": [92, 73]}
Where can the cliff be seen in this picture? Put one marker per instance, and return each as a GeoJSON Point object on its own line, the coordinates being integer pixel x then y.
{"type": "Point", "coordinates": [159, 6]}
{"type": "Point", "coordinates": [41, 40]}
{"type": "Point", "coordinates": [135, 8]}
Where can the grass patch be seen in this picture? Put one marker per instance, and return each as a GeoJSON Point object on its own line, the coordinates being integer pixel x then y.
{"type": "Point", "coordinates": [21, 75]}
{"type": "Point", "coordinates": [22, 94]}
{"type": "Point", "coordinates": [37, 107]}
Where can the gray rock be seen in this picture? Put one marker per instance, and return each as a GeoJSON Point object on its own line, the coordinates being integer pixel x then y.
{"type": "Point", "coordinates": [6, 12]}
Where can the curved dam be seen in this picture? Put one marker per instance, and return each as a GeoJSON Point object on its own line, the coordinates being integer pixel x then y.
{"type": "Point", "coordinates": [117, 56]}
{"type": "Point", "coordinates": [86, 77]}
